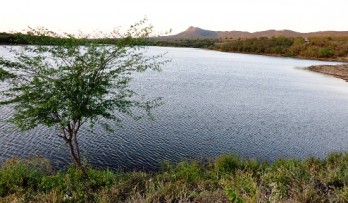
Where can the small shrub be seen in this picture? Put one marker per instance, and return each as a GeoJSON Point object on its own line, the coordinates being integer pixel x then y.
{"type": "Point", "coordinates": [245, 184]}
{"type": "Point", "coordinates": [188, 172]}
{"type": "Point", "coordinates": [100, 178]}
{"type": "Point", "coordinates": [325, 52]}
{"type": "Point", "coordinates": [232, 197]}
{"type": "Point", "coordinates": [227, 163]}
{"type": "Point", "coordinates": [283, 175]}
{"type": "Point", "coordinates": [17, 174]}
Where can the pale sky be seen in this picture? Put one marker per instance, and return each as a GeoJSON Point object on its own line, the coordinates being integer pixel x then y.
{"type": "Point", "coordinates": [219, 15]}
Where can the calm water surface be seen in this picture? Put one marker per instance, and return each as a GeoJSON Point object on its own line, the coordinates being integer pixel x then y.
{"type": "Point", "coordinates": [255, 106]}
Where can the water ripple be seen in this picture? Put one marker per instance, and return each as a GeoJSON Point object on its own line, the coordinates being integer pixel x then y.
{"type": "Point", "coordinates": [255, 106]}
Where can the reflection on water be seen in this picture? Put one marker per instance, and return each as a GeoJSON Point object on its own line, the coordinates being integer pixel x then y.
{"type": "Point", "coordinates": [256, 106]}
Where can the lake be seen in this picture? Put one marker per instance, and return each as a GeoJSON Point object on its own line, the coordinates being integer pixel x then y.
{"type": "Point", "coordinates": [214, 103]}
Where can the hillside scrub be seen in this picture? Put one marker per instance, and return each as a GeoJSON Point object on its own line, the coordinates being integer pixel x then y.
{"type": "Point", "coordinates": [312, 47]}
{"type": "Point", "coordinates": [225, 179]}
{"type": "Point", "coordinates": [325, 48]}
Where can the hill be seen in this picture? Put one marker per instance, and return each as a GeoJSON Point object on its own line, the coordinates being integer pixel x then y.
{"type": "Point", "coordinates": [199, 33]}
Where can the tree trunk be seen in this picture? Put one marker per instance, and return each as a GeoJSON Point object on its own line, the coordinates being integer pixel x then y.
{"type": "Point", "coordinates": [77, 148]}
{"type": "Point", "coordinates": [75, 155]}
{"type": "Point", "coordinates": [74, 149]}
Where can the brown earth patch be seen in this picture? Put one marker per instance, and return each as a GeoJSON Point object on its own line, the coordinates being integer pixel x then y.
{"type": "Point", "coordinates": [339, 71]}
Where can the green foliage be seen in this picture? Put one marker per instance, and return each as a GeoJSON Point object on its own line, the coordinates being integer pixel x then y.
{"type": "Point", "coordinates": [56, 85]}
{"type": "Point", "coordinates": [4, 75]}
{"type": "Point", "coordinates": [333, 47]}
{"type": "Point", "coordinates": [283, 175]}
{"type": "Point", "coordinates": [232, 196]}
{"type": "Point", "coordinates": [185, 171]}
{"type": "Point", "coordinates": [18, 175]}
{"type": "Point", "coordinates": [310, 180]}
{"type": "Point", "coordinates": [275, 45]}
{"type": "Point", "coordinates": [325, 52]}
{"type": "Point", "coordinates": [6, 38]}
{"type": "Point", "coordinates": [188, 172]}
{"type": "Point", "coordinates": [195, 43]}
{"type": "Point", "coordinates": [76, 80]}
{"type": "Point", "coordinates": [315, 47]}
{"type": "Point", "coordinates": [227, 163]}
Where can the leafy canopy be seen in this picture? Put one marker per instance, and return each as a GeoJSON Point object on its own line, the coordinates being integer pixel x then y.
{"type": "Point", "coordinates": [66, 80]}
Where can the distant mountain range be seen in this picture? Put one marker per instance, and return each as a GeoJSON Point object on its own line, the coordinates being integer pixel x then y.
{"type": "Point", "coordinates": [198, 33]}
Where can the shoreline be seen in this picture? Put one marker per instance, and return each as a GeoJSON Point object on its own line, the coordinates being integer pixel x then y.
{"type": "Point", "coordinates": [329, 59]}
{"type": "Point", "coordinates": [338, 71]}
{"type": "Point", "coordinates": [341, 60]}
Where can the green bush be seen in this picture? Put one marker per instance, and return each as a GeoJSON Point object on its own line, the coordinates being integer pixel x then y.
{"type": "Point", "coordinates": [325, 52]}
{"type": "Point", "coordinates": [227, 163]}
{"type": "Point", "coordinates": [189, 172]}
{"type": "Point", "coordinates": [18, 175]}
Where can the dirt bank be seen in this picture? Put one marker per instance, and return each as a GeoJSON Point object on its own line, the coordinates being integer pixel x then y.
{"type": "Point", "coordinates": [339, 71]}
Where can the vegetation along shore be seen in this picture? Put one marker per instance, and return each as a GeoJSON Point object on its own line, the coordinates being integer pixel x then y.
{"type": "Point", "coordinates": [225, 179]}
{"type": "Point", "coordinates": [320, 47]}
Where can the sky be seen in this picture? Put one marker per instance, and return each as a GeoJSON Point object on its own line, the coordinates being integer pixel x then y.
{"type": "Point", "coordinates": [177, 15]}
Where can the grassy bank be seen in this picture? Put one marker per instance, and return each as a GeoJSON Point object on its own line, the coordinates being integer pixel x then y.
{"type": "Point", "coordinates": [226, 179]}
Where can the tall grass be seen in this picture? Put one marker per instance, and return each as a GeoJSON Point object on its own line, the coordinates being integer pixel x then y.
{"type": "Point", "coordinates": [226, 179]}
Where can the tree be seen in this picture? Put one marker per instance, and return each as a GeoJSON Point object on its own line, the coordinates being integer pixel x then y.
{"type": "Point", "coordinates": [65, 81]}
